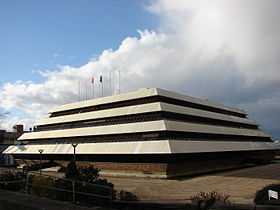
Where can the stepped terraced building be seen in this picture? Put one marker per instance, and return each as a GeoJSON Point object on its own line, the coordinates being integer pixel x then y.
{"type": "Point", "coordinates": [149, 132]}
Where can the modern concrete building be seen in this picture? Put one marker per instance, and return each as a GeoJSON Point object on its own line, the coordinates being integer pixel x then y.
{"type": "Point", "coordinates": [149, 132]}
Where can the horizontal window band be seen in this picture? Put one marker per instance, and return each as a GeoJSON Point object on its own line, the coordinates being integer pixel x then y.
{"type": "Point", "coordinates": [147, 100]}
{"type": "Point", "coordinates": [148, 136]}
{"type": "Point", "coordinates": [145, 117]}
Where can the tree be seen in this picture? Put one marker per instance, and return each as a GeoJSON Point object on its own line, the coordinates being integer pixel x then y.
{"type": "Point", "coordinates": [72, 171]}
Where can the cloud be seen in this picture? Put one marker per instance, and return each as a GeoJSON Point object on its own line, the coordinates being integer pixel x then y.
{"type": "Point", "coordinates": [226, 51]}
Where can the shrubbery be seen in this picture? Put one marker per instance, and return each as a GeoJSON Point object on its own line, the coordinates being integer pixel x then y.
{"type": "Point", "coordinates": [89, 174]}
{"type": "Point", "coordinates": [72, 171]}
{"type": "Point", "coordinates": [127, 196]}
{"type": "Point", "coordinates": [204, 201]}
{"type": "Point", "coordinates": [12, 180]}
{"type": "Point", "coordinates": [85, 181]}
{"type": "Point", "coordinates": [11, 176]}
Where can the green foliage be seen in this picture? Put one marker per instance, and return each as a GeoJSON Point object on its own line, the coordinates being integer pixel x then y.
{"type": "Point", "coordinates": [12, 180]}
{"type": "Point", "coordinates": [261, 196]}
{"type": "Point", "coordinates": [86, 182]}
{"type": "Point", "coordinates": [72, 171]}
{"type": "Point", "coordinates": [11, 175]}
{"type": "Point", "coordinates": [88, 174]}
{"type": "Point", "coordinates": [103, 182]}
{"type": "Point", "coordinates": [204, 201]}
{"type": "Point", "coordinates": [127, 196]}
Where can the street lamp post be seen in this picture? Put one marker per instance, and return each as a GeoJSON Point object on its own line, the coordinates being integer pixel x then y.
{"type": "Point", "coordinates": [40, 151]}
{"type": "Point", "coordinates": [74, 145]}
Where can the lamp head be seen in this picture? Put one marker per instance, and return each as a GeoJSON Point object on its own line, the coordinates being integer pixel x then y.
{"type": "Point", "coordinates": [74, 144]}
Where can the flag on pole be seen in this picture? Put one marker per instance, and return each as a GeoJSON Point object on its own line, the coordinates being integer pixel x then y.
{"type": "Point", "coordinates": [272, 194]}
{"type": "Point", "coordinates": [100, 79]}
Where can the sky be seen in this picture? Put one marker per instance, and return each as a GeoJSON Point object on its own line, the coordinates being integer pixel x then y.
{"type": "Point", "coordinates": [42, 35]}
{"type": "Point", "coordinates": [225, 51]}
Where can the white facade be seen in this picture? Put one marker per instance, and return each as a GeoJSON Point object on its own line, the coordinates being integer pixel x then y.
{"type": "Point", "coordinates": [156, 146]}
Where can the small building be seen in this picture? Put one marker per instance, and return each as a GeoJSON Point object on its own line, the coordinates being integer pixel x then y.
{"type": "Point", "coordinates": [8, 138]}
{"type": "Point", "coordinates": [150, 132]}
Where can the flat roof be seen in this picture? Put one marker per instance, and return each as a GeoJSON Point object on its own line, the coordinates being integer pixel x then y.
{"type": "Point", "coordinates": [142, 93]}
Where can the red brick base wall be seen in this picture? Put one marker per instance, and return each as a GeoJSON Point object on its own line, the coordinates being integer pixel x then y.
{"type": "Point", "coordinates": [178, 167]}
{"type": "Point", "coordinates": [145, 168]}
{"type": "Point", "coordinates": [159, 170]}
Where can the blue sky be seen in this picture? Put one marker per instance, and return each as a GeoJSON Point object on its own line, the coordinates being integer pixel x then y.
{"type": "Point", "coordinates": [40, 35]}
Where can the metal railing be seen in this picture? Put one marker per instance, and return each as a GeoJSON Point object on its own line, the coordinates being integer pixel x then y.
{"type": "Point", "coordinates": [67, 189]}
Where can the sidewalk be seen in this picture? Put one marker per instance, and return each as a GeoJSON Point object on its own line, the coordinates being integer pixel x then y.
{"type": "Point", "coordinates": [240, 184]}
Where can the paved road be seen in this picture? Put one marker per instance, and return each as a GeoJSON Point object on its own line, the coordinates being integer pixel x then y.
{"type": "Point", "coordinates": [240, 184]}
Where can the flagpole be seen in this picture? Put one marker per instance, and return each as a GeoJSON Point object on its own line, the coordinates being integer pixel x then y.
{"type": "Point", "coordinates": [119, 81]}
{"type": "Point", "coordinates": [101, 81]}
{"type": "Point", "coordinates": [93, 89]}
{"type": "Point", "coordinates": [102, 88]}
{"type": "Point", "coordinates": [79, 90]}
{"type": "Point", "coordinates": [113, 82]}
{"type": "Point", "coordinates": [86, 91]}
{"type": "Point", "coordinates": [92, 82]}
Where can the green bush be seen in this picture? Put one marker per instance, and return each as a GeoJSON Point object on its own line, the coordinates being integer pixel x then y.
{"type": "Point", "coordinates": [89, 174]}
{"type": "Point", "coordinates": [11, 175]}
{"type": "Point", "coordinates": [72, 171]}
{"type": "Point", "coordinates": [12, 180]}
{"type": "Point", "coordinates": [127, 196]}
{"type": "Point", "coordinates": [86, 183]}
{"type": "Point", "coordinates": [261, 196]}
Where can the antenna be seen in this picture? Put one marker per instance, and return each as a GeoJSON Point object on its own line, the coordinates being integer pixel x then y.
{"type": "Point", "coordinates": [93, 89]}
{"type": "Point", "coordinates": [119, 81]}
{"type": "Point", "coordinates": [113, 82]}
{"type": "Point", "coordinates": [86, 91]}
{"type": "Point", "coordinates": [83, 91]}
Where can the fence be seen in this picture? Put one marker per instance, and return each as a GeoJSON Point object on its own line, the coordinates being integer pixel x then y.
{"type": "Point", "coordinates": [67, 189]}
{"type": "Point", "coordinates": [54, 187]}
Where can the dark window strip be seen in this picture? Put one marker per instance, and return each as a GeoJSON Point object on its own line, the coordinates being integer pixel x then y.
{"type": "Point", "coordinates": [160, 135]}
{"type": "Point", "coordinates": [147, 100]}
{"type": "Point", "coordinates": [142, 118]}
